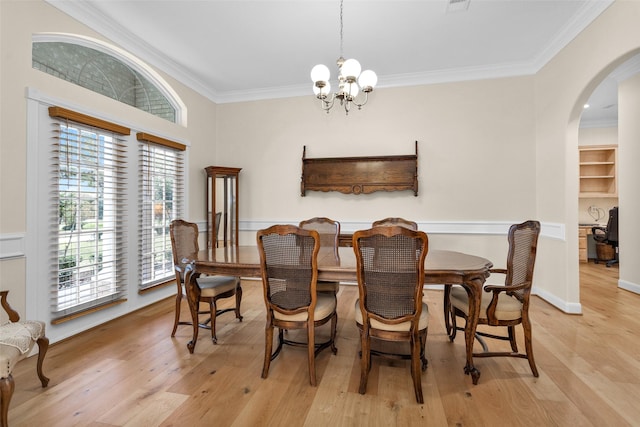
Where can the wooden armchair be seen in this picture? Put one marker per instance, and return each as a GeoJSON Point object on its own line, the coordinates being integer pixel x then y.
{"type": "Point", "coordinates": [503, 305]}
{"type": "Point", "coordinates": [17, 338]}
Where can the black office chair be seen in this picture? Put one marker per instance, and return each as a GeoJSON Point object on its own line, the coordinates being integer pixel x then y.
{"type": "Point", "coordinates": [608, 235]}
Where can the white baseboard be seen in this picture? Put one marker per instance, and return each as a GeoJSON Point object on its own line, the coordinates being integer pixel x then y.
{"type": "Point", "coordinates": [631, 287]}
{"type": "Point", "coordinates": [569, 308]}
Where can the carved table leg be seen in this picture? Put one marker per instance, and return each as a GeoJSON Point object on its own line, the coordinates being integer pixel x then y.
{"type": "Point", "coordinates": [473, 286]}
{"type": "Point", "coordinates": [193, 297]}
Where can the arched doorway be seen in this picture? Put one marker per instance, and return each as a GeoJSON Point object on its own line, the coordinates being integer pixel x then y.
{"type": "Point", "coordinates": [599, 127]}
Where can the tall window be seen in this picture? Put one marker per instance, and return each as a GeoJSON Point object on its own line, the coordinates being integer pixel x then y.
{"type": "Point", "coordinates": [161, 180]}
{"type": "Point", "coordinates": [88, 240]}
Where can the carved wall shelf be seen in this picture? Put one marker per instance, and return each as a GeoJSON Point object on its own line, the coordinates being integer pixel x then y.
{"type": "Point", "coordinates": [360, 175]}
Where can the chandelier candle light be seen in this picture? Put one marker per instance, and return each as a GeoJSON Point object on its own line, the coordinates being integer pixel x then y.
{"type": "Point", "coordinates": [350, 81]}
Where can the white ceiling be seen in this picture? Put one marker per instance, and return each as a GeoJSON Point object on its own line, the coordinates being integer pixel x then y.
{"type": "Point", "coordinates": [247, 50]}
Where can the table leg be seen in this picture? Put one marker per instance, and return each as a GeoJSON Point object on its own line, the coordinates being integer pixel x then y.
{"type": "Point", "coordinates": [193, 297]}
{"type": "Point", "coordinates": [473, 286]}
{"type": "Point", "coordinates": [447, 310]}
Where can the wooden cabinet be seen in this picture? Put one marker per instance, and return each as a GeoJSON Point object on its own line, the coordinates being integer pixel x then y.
{"type": "Point", "coordinates": [582, 244]}
{"type": "Point", "coordinates": [222, 206]}
{"type": "Point", "coordinates": [598, 171]}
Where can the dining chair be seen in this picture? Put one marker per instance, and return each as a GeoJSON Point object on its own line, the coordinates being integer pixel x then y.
{"type": "Point", "coordinates": [184, 245]}
{"type": "Point", "coordinates": [289, 270]}
{"type": "Point", "coordinates": [390, 271]}
{"type": "Point", "coordinates": [411, 225]}
{"type": "Point", "coordinates": [329, 230]}
{"type": "Point", "coordinates": [504, 305]}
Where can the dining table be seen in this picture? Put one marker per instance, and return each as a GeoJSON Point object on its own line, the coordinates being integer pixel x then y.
{"type": "Point", "coordinates": [441, 267]}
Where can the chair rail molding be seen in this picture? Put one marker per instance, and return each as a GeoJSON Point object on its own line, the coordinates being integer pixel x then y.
{"type": "Point", "coordinates": [12, 245]}
{"type": "Point", "coordinates": [549, 230]}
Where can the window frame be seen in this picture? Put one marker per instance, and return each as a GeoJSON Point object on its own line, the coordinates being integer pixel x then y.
{"type": "Point", "coordinates": [147, 222]}
{"type": "Point", "coordinates": [38, 183]}
{"type": "Point", "coordinates": [126, 58]}
{"type": "Point", "coordinates": [83, 143]}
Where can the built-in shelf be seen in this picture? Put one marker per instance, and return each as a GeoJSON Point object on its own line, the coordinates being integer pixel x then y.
{"type": "Point", "coordinates": [598, 174]}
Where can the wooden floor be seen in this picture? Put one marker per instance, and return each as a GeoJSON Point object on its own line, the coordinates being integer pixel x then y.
{"type": "Point", "coordinates": [129, 372]}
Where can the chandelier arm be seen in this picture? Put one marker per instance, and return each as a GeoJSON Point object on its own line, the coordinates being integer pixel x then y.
{"type": "Point", "coordinates": [360, 105]}
{"type": "Point", "coordinates": [327, 104]}
{"type": "Point", "coordinates": [347, 106]}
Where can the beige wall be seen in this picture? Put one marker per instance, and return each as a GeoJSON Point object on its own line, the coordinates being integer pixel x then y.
{"type": "Point", "coordinates": [471, 144]}
{"type": "Point", "coordinates": [19, 20]}
{"type": "Point", "coordinates": [562, 88]}
{"type": "Point", "coordinates": [629, 158]}
{"type": "Point", "coordinates": [490, 151]}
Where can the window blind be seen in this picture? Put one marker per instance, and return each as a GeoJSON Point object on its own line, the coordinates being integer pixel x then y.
{"type": "Point", "coordinates": [161, 192]}
{"type": "Point", "coordinates": [87, 203]}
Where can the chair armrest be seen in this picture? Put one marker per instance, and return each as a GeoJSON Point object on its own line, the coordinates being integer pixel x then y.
{"type": "Point", "coordinates": [498, 271]}
{"type": "Point", "coordinates": [599, 233]}
{"type": "Point", "coordinates": [496, 289]}
{"type": "Point", "coordinates": [13, 315]}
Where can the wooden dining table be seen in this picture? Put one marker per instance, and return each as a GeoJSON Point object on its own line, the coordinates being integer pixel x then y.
{"type": "Point", "coordinates": [441, 267]}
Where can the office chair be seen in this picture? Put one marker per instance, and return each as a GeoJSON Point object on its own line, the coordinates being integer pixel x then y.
{"type": "Point", "coordinates": [608, 235]}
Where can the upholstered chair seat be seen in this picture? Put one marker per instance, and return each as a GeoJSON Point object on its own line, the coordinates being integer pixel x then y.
{"type": "Point", "coordinates": [508, 308]}
{"type": "Point", "coordinates": [423, 322]}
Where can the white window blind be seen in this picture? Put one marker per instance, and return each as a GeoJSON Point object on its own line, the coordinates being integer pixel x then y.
{"type": "Point", "coordinates": [87, 204]}
{"type": "Point", "coordinates": [161, 182]}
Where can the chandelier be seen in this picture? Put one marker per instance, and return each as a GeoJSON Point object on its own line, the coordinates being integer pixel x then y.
{"type": "Point", "coordinates": [353, 86]}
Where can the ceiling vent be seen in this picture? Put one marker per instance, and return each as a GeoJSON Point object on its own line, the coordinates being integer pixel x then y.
{"type": "Point", "coordinates": [457, 5]}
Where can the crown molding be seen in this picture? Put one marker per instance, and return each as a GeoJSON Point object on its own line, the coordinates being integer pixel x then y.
{"type": "Point", "coordinates": [112, 30]}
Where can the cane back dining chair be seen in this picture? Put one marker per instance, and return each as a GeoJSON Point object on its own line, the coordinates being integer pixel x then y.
{"type": "Point", "coordinates": [329, 230]}
{"type": "Point", "coordinates": [184, 244]}
{"type": "Point", "coordinates": [289, 270]}
{"type": "Point", "coordinates": [390, 271]}
{"type": "Point", "coordinates": [503, 305]}
{"type": "Point", "coordinates": [411, 225]}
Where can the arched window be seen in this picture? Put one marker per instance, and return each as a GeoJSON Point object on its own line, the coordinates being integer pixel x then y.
{"type": "Point", "coordinates": [107, 70]}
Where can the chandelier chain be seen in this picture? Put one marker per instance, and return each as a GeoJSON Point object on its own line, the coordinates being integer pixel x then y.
{"type": "Point", "coordinates": [341, 36]}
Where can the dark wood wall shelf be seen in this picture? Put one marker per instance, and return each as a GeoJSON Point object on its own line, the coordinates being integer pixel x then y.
{"type": "Point", "coordinates": [360, 175]}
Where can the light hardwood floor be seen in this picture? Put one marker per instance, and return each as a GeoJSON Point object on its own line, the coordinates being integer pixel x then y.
{"type": "Point", "coordinates": [129, 372]}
